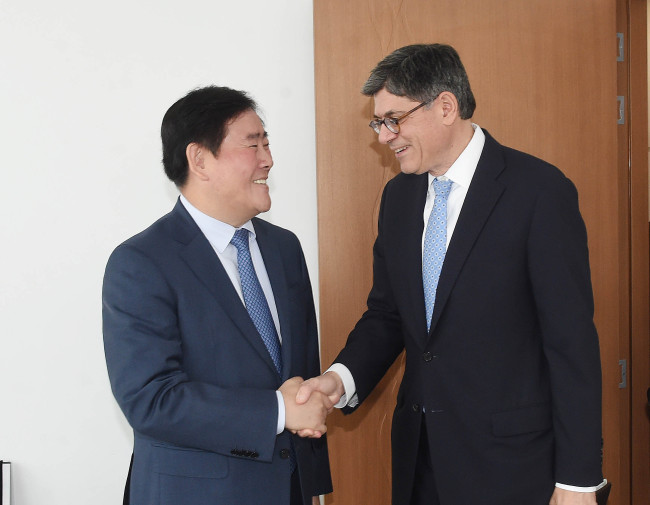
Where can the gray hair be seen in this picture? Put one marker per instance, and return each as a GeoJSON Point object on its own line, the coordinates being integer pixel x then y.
{"type": "Point", "coordinates": [421, 72]}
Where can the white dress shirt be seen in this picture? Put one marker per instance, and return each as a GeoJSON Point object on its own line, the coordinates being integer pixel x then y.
{"type": "Point", "coordinates": [219, 234]}
{"type": "Point", "coordinates": [460, 173]}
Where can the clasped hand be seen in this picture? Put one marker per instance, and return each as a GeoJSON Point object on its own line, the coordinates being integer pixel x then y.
{"type": "Point", "coordinates": [307, 403]}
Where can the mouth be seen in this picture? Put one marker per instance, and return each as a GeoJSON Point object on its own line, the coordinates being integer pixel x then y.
{"type": "Point", "coordinates": [400, 150]}
{"type": "Point", "coordinates": [260, 181]}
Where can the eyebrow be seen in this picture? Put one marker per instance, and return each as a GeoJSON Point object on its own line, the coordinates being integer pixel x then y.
{"type": "Point", "coordinates": [390, 113]}
{"type": "Point", "coordinates": [255, 136]}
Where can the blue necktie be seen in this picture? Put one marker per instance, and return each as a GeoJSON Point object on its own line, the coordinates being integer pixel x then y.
{"type": "Point", "coordinates": [258, 308]}
{"type": "Point", "coordinates": [254, 299]}
{"type": "Point", "coordinates": [435, 245]}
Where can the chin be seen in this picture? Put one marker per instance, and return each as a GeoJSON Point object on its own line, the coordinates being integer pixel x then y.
{"type": "Point", "coordinates": [409, 170]}
{"type": "Point", "coordinates": [264, 208]}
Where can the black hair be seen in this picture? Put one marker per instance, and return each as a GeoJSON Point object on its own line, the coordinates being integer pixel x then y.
{"type": "Point", "coordinates": [421, 72]}
{"type": "Point", "coordinates": [201, 116]}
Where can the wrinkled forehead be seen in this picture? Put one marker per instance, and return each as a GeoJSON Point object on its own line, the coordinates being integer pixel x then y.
{"type": "Point", "coordinates": [388, 105]}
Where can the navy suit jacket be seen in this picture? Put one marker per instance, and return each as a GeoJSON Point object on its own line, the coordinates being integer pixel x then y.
{"type": "Point", "coordinates": [509, 374]}
{"type": "Point", "coordinates": [192, 375]}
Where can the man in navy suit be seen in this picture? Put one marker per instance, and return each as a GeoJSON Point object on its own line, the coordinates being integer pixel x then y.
{"type": "Point", "coordinates": [481, 274]}
{"type": "Point", "coordinates": [203, 331]}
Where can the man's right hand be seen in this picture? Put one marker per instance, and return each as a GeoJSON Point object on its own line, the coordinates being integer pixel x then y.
{"type": "Point", "coordinates": [329, 384]}
{"type": "Point", "coordinates": [308, 416]}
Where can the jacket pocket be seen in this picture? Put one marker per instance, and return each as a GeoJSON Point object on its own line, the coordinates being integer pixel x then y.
{"type": "Point", "coordinates": [529, 419]}
{"type": "Point", "coordinates": [183, 462]}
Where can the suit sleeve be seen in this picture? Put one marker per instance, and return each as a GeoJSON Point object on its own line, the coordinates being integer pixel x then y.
{"type": "Point", "coordinates": [144, 355]}
{"type": "Point", "coordinates": [561, 284]}
{"type": "Point", "coordinates": [376, 340]}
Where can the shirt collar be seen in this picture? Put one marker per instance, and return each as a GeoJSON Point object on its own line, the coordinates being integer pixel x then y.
{"type": "Point", "coordinates": [218, 233]}
{"type": "Point", "coordinates": [462, 170]}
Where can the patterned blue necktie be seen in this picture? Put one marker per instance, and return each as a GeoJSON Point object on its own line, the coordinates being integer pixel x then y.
{"type": "Point", "coordinates": [254, 299]}
{"type": "Point", "coordinates": [435, 245]}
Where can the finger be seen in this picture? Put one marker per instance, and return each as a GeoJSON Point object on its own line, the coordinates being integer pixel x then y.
{"type": "Point", "coordinates": [334, 398]}
{"type": "Point", "coordinates": [328, 403]}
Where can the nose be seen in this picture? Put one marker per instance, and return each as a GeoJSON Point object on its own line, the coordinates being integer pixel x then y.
{"type": "Point", "coordinates": [385, 135]}
{"type": "Point", "coordinates": [265, 158]}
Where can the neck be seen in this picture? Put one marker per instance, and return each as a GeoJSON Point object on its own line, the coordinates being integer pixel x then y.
{"type": "Point", "coordinates": [460, 137]}
{"type": "Point", "coordinates": [211, 208]}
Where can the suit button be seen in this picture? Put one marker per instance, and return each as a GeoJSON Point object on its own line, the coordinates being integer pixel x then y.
{"type": "Point", "coordinates": [284, 453]}
{"type": "Point", "coordinates": [416, 407]}
{"type": "Point", "coordinates": [427, 356]}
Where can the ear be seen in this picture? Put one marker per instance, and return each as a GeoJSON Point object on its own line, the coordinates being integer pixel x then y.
{"type": "Point", "coordinates": [450, 111]}
{"type": "Point", "coordinates": [195, 154]}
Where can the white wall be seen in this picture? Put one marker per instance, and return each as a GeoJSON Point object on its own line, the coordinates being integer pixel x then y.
{"type": "Point", "coordinates": [83, 88]}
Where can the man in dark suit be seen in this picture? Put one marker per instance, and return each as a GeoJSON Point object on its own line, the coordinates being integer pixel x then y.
{"type": "Point", "coordinates": [207, 314]}
{"type": "Point", "coordinates": [481, 273]}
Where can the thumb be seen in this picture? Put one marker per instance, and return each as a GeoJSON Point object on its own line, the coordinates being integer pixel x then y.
{"type": "Point", "coordinates": [305, 391]}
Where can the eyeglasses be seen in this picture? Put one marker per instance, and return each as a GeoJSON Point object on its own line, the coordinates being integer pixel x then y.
{"type": "Point", "coordinates": [392, 123]}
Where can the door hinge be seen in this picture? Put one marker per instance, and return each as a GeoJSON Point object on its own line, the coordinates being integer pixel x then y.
{"type": "Point", "coordinates": [621, 109]}
{"type": "Point", "coordinates": [623, 364]}
{"type": "Point", "coordinates": [621, 47]}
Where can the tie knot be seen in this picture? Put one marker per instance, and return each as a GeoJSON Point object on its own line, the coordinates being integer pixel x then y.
{"type": "Point", "coordinates": [442, 188]}
{"type": "Point", "coordinates": [240, 239]}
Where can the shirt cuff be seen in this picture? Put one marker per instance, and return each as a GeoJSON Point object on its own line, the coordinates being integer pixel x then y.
{"type": "Point", "coordinates": [578, 489]}
{"type": "Point", "coordinates": [348, 384]}
{"type": "Point", "coordinates": [281, 413]}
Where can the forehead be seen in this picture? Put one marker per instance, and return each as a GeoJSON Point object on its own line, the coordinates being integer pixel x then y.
{"type": "Point", "coordinates": [246, 126]}
{"type": "Point", "coordinates": [386, 104]}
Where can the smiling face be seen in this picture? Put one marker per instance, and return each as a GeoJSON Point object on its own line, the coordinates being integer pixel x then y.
{"type": "Point", "coordinates": [233, 183]}
{"type": "Point", "coordinates": [425, 140]}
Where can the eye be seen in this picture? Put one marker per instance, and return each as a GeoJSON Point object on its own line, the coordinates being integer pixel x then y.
{"type": "Point", "coordinates": [392, 120]}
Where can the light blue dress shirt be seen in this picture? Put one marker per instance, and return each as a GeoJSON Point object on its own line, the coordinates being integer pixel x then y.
{"type": "Point", "coordinates": [219, 234]}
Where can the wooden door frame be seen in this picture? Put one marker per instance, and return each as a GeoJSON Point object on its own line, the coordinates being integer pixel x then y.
{"type": "Point", "coordinates": [639, 357]}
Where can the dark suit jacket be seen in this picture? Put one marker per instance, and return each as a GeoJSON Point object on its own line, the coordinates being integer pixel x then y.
{"type": "Point", "coordinates": [509, 374]}
{"type": "Point", "coordinates": [192, 375]}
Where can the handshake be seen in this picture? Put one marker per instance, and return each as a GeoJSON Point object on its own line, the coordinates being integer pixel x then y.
{"type": "Point", "coordinates": [307, 403]}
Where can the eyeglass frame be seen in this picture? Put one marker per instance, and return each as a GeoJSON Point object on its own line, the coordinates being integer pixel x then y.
{"type": "Point", "coordinates": [392, 123]}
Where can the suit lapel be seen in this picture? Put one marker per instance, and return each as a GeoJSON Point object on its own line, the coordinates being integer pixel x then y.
{"type": "Point", "coordinates": [409, 228]}
{"type": "Point", "coordinates": [482, 196]}
{"type": "Point", "coordinates": [206, 266]}
{"type": "Point", "coordinates": [278, 278]}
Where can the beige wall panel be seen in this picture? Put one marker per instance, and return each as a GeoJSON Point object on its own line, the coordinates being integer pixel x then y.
{"type": "Point", "coordinates": [544, 77]}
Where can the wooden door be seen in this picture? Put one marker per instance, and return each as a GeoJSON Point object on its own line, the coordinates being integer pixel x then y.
{"type": "Point", "coordinates": [544, 76]}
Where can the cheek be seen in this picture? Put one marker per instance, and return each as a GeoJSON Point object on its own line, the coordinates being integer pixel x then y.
{"type": "Point", "coordinates": [429, 150]}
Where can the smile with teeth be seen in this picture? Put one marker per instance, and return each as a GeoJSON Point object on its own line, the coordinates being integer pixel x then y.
{"type": "Point", "coordinates": [259, 181]}
{"type": "Point", "coordinates": [400, 150]}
